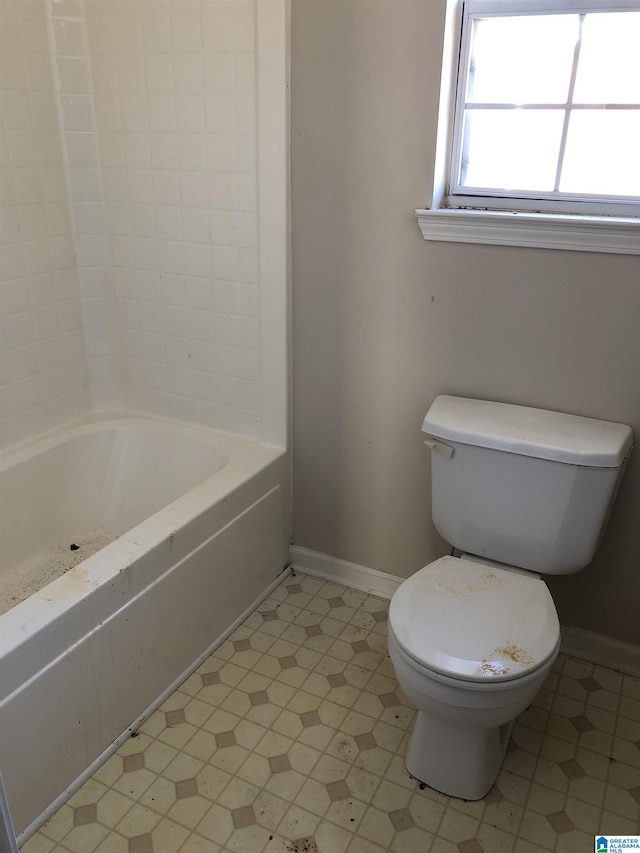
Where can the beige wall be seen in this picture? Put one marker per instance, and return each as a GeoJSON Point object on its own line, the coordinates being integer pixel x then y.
{"type": "Point", "coordinates": [384, 321]}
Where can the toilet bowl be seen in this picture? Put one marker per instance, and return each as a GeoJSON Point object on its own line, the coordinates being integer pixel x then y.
{"type": "Point", "coordinates": [471, 645]}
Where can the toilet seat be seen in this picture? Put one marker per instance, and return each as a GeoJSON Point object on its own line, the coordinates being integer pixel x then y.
{"type": "Point", "coordinates": [475, 622]}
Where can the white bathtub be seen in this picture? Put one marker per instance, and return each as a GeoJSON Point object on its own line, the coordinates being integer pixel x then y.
{"type": "Point", "coordinates": [189, 528]}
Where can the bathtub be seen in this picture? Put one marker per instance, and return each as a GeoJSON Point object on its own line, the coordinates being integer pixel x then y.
{"type": "Point", "coordinates": [130, 547]}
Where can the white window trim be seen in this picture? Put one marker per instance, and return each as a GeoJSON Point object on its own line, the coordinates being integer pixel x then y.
{"type": "Point", "coordinates": [542, 230]}
{"type": "Point", "coordinates": [611, 234]}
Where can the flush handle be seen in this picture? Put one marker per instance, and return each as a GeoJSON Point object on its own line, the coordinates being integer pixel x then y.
{"type": "Point", "coordinates": [445, 449]}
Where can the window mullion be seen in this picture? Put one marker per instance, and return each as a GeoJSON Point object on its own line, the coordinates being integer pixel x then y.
{"type": "Point", "coordinates": [567, 112]}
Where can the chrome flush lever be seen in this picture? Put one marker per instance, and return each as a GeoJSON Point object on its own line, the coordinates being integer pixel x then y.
{"type": "Point", "coordinates": [445, 449]}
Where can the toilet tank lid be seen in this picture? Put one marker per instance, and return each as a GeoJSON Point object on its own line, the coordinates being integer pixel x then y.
{"type": "Point", "coordinates": [529, 432]}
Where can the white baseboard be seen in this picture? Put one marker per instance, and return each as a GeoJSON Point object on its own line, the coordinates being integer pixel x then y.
{"type": "Point", "coordinates": [600, 650]}
{"type": "Point", "coordinates": [319, 565]}
{"type": "Point", "coordinates": [575, 642]}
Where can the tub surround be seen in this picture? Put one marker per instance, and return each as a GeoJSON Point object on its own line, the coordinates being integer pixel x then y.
{"type": "Point", "coordinates": [145, 263]}
{"type": "Point", "coordinates": [145, 213]}
{"type": "Point", "coordinates": [44, 361]}
{"type": "Point", "coordinates": [159, 111]}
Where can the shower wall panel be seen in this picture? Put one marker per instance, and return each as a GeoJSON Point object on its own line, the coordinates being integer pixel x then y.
{"type": "Point", "coordinates": [43, 376]}
{"type": "Point", "coordinates": [145, 214]}
{"type": "Point", "coordinates": [174, 100]}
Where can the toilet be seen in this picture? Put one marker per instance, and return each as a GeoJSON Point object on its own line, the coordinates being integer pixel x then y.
{"type": "Point", "coordinates": [518, 493]}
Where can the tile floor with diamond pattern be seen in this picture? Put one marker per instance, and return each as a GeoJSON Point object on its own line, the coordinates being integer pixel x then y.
{"type": "Point", "coordinates": [290, 739]}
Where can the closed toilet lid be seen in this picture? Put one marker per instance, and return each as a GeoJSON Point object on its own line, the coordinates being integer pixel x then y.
{"type": "Point", "coordinates": [474, 621]}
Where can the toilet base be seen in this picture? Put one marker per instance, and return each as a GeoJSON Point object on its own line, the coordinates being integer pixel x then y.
{"type": "Point", "coordinates": [460, 762]}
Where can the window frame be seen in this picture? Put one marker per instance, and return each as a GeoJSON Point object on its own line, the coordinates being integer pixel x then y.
{"type": "Point", "coordinates": [587, 226]}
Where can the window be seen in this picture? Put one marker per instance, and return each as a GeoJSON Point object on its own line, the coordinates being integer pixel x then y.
{"type": "Point", "coordinates": [546, 118]}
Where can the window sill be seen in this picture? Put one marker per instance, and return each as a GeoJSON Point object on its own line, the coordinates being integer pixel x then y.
{"type": "Point", "coordinates": [540, 230]}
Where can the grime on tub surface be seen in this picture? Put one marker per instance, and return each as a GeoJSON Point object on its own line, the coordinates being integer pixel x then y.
{"type": "Point", "coordinates": [57, 559]}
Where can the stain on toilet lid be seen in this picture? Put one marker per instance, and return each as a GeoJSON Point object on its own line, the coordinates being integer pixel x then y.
{"type": "Point", "coordinates": [474, 621]}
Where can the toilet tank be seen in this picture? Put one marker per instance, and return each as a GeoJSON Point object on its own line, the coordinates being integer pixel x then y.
{"type": "Point", "coordinates": [526, 487]}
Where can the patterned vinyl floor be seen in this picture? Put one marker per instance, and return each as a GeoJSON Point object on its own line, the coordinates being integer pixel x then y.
{"type": "Point", "coordinates": [290, 739]}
